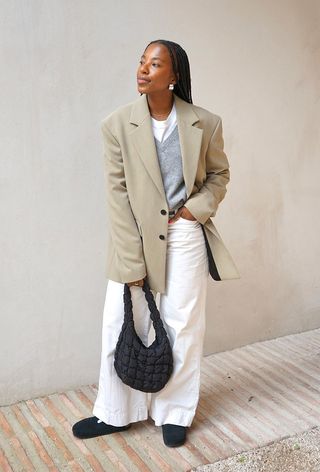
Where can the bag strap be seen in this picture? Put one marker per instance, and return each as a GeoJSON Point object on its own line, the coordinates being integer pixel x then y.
{"type": "Point", "coordinates": [154, 312]}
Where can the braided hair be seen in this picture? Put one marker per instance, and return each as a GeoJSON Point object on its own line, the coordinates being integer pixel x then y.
{"type": "Point", "coordinates": [181, 68]}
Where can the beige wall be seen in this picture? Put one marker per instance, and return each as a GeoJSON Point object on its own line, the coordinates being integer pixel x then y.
{"type": "Point", "coordinates": [68, 64]}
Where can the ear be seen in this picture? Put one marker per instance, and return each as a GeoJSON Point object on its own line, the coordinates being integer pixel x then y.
{"type": "Point", "coordinates": [175, 76]}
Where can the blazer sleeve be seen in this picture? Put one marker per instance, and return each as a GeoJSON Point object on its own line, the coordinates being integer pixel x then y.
{"type": "Point", "coordinates": [122, 224]}
{"type": "Point", "coordinates": [204, 203]}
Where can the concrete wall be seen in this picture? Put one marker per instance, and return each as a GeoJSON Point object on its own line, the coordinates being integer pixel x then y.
{"type": "Point", "coordinates": [69, 63]}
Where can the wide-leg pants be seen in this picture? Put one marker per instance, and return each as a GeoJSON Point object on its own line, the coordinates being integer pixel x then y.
{"type": "Point", "coordinates": [182, 310]}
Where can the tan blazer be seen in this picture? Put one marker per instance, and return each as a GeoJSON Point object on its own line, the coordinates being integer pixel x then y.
{"type": "Point", "coordinates": [136, 202]}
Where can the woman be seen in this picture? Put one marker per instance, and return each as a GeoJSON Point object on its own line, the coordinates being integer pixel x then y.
{"type": "Point", "coordinates": [166, 173]}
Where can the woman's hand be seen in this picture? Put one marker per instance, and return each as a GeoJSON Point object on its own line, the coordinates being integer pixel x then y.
{"type": "Point", "coordinates": [184, 213]}
{"type": "Point", "coordinates": [137, 282]}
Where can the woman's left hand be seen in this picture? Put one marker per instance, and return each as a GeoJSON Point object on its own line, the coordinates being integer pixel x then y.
{"type": "Point", "coordinates": [184, 213]}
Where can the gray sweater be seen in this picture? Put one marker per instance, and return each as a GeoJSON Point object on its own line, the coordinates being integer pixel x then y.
{"type": "Point", "coordinates": [169, 157]}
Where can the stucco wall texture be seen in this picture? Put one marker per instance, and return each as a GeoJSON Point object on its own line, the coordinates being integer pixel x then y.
{"type": "Point", "coordinates": [65, 66]}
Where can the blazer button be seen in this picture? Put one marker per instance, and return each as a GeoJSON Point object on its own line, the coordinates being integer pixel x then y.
{"type": "Point", "coordinates": [163, 212]}
{"type": "Point", "coordinates": [161, 236]}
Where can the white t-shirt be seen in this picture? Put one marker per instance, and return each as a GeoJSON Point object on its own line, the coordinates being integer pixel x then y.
{"type": "Point", "coordinates": [162, 129]}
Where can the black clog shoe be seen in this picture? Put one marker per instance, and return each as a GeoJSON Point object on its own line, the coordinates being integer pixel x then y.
{"type": "Point", "coordinates": [91, 428]}
{"type": "Point", "coordinates": [174, 435]}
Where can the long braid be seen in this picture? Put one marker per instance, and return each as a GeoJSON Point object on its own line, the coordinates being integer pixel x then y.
{"type": "Point", "coordinates": [181, 68]}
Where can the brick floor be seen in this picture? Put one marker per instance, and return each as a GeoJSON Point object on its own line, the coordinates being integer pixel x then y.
{"type": "Point", "coordinates": [250, 396]}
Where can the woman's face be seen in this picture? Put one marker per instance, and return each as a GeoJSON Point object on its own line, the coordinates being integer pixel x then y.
{"type": "Point", "coordinates": [155, 68]}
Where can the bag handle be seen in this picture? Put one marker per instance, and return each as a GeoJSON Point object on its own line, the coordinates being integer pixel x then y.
{"type": "Point", "coordinates": [154, 312]}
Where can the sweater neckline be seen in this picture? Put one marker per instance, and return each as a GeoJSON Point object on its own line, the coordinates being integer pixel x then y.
{"type": "Point", "coordinates": [169, 138]}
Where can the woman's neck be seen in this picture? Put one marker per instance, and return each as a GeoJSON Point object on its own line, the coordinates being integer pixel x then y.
{"type": "Point", "coordinates": [160, 106]}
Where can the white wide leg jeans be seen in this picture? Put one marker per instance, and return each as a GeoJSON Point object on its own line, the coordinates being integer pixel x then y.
{"type": "Point", "coordinates": [182, 310]}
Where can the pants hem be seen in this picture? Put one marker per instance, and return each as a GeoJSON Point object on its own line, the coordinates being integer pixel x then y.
{"type": "Point", "coordinates": [180, 418]}
{"type": "Point", "coordinates": [120, 419]}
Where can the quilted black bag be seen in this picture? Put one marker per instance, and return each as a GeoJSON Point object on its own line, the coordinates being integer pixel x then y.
{"type": "Point", "coordinates": [143, 368]}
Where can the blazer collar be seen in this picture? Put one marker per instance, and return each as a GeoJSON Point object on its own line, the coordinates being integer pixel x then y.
{"type": "Point", "coordinates": [190, 138]}
{"type": "Point", "coordinates": [140, 110]}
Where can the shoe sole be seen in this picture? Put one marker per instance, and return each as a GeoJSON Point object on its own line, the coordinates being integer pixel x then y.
{"type": "Point", "coordinates": [124, 428]}
{"type": "Point", "coordinates": [175, 445]}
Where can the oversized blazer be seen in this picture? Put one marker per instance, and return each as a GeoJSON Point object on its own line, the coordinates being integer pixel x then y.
{"type": "Point", "coordinates": [135, 198]}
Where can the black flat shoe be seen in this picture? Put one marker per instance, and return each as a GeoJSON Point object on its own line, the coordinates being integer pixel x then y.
{"type": "Point", "coordinates": [90, 428]}
{"type": "Point", "coordinates": [174, 435]}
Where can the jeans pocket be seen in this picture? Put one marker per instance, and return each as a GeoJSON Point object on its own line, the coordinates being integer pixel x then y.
{"type": "Point", "coordinates": [189, 221]}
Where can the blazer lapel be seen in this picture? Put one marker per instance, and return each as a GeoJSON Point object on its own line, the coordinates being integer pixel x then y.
{"type": "Point", "coordinates": [190, 141]}
{"type": "Point", "coordinates": [190, 137]}
{"type": "Point", "coordinates": [143, 140]}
